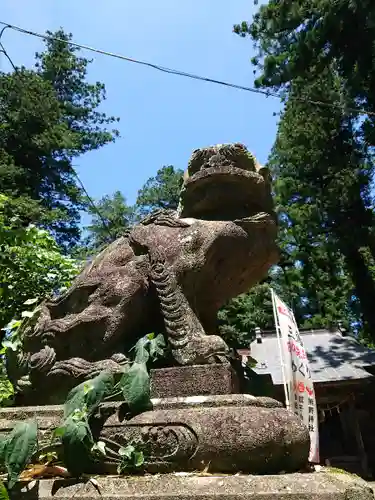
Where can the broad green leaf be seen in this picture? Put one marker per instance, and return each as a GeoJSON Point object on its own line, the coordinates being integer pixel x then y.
{"type": "Point", "coordinates": [251, 362]}
{"type": "Point", "coordinates": [135, 384]}
{"type": "Point", "coordinates": [89, 394]}
{"type": "Point", "coordinates": [100, 448]}
{"type": "Point", "coordinates": [27, 314]}
{"type": "Point", "coordinates": [59, 431]}
{"type": "Point", "coordinates": [126, 451]}
{"type": "Point", "coordinates": [141, 350]}
{"type": "Point", "coordinates": [3, 443]}
{"type": "Point", "coordinates": [30, 302]}
{"type": "Point", "coordinates": [138, 458]}
{"type": "Point", "coordinates": [20, 446]}
{"type": "Point", "coordinates": [3, 492]}
{"type": "Point", "coordinates": [77, 444]}
{"type": "Point", "coordinates": [157, 347]}
{"type": "Point", "coordinates": [12, 325]}
{"type": "Point", "coordinates": [12, 344]}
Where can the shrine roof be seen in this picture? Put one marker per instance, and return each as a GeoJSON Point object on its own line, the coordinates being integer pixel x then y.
{"type": "Point", "coordinates": [333, 357]}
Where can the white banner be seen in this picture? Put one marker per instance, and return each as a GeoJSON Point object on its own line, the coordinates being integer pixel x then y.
{"type": "Point", "coordinates": [298, 384]}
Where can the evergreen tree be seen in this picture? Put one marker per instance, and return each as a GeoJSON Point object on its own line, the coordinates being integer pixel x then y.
{"type": "Point", "coordinates": [161, 191]}
{"type": "Point", "coordinates": [323, 177]}
{"type": "Point", "coordinates": [292, 37]}
{"type": "Point", "coordinates": [49, 117]}
{"type": "Point", "coordinates": [110, 218]}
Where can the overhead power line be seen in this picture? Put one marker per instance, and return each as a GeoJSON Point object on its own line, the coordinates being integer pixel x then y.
{"type": "Point", "coordinates": [192, 76]}
{"type": "Point", "coordinates": [2, 48]}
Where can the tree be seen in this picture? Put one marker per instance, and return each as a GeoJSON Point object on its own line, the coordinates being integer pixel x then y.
{"type": "Point", "coordinates": [110, 218]}
{"type": "Point", "coordinates": [161, 191]}
{"type": "Point", "coordinates": [48, 118]}
{"type": "Point", "coordinates": [239, 318]}
{"type": "Point", "coordinates": [295, 36]}
{"type": "Point", "coordinates": [322, 157]}
{"type": "Point", "coordinates": [31, 265]}
{"type": "Point", "coordinates": [323, 178]}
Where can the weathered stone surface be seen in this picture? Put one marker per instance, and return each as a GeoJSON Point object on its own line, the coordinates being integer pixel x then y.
{"type": "Point", "coordinates": [170, 274]}
{"type": "Point", "coordinates": [309, 486]}
{"type": "Point", "coordinates": [183, 381]}
{"type": "Point", "coordinates": [226, 438]}
{"type": "Point", "coordinates": [225, 433]}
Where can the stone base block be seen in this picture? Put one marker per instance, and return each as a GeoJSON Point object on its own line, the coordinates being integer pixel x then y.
{"type": "Point", "coordinates": [309, 486]}
{"type": "Point", "coordinates": [183, 381]}
{"type": "Point", "coordinates": [224, 433]}
{"type": "Point", "coordinates": [240, 433]}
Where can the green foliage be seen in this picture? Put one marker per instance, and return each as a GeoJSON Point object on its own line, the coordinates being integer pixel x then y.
{"type": "Point", "coordinates": [89, 394]}
{"type": "Point", "coordinates": [135, 384]}
{"type": "Point", "coordinates": [77, 442]}
{"type": "Point", "coordinates": [131, 459]}
{"type": "Point", "coordinates": [322, 184]}
{"type": "Point", "coordinates": [161, 191]}
{"type": "Point", "coordinates": [49, 116]}
{"type": "Point", "coordinates": [18, 448]}
{"type": "Point", "coordinates": [115, 217]}
{"type": "Point", "coordinates": [31, 265]}
{"type": "Point", "coordinates": [79, 447]}
{"type": "Point", "coordinates": [322, 158]}
{"type": "Point", "coordinates": [239, 318]}
{"type": "Point", "coordinates": [295, 37]}
{"type": "Point", "coordinates": [3, 492]}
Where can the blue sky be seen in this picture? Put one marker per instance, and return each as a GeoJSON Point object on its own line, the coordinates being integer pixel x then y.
{"type": "Point", "coordinates": [162, 117]}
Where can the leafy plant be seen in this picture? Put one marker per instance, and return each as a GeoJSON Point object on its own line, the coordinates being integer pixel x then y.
{"type": "Point", "coordinates": [79, 449]}
{"type": "Point", "coordinates": [17, 449]}
{"type": "Point", "coordinates": [131, 458]}
{"type": "Point", "coordinates": [31, 265]}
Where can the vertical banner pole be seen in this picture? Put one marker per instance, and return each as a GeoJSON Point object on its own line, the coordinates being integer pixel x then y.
{"type": "Point", "coordinates": [282, 361]}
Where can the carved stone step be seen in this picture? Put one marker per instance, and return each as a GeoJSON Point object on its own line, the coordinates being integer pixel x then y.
{"type": "Point", "coordinates": [309, 486]}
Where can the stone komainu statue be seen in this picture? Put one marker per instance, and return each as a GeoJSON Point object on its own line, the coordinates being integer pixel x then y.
{"type": "Point", "coordinates": [171, 273]}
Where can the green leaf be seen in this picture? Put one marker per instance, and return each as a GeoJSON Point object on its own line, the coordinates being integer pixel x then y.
{"type": "Point", "coordinates": [157, 347]}
{"type": "Point", "coordinates": [77, 441]}
{"type": "Point", "coordinates": [99, 448]}
{"type": "Point", "coordinates": [3, 492]}
{"type": "Point", "coordinates": [13, 345]}
{"type": "Point", "coordinates": [30, 302]}
{"type": "Point", "coordinates": [135, 384]}
{"type": "Point", "coordinates": [20, 446]}
{"type": "Point", "coordinates": [138, 458]}
{"type": "Point", "coordinates": [89, 394]}
{"type": "Point", "coordinates": [27, 314]}
{"type": "Point", "coordinates": [141, 351]}
{"type": "Point", "coordinates": [126, 451]}
{"type": "Point", "coordinates": [59, 431]}
{"type": "Point", "coordinates": [12, 325]}
{"type": "Point", "coordinates": [251, 362]}
{"type": "Point", "coordinates": [3, 443]}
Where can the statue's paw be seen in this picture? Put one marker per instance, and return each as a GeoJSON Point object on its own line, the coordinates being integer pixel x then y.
{"type": "Point", "coordinates": [202, 350]}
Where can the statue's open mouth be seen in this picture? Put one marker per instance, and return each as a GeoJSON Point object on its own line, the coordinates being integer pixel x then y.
{"type": "Point", "coordinates": [226, 193]}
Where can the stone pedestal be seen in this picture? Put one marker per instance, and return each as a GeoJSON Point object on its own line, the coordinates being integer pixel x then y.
{"type": "Point", "coordinates": [229, 434]}
{"type": "Point", "coordinates": [220, 433]}
{"type": "Point", "coordinates": [309, 486]}
{"type": "Point", "coordinates": [194, 380]}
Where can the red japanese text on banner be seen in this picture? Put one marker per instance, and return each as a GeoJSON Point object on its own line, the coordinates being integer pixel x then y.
{"type": "Point", "coordinates": [298, 380]}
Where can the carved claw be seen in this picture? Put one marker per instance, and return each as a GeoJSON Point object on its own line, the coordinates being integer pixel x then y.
{"type": "Point", "coordinates": [201, 350]}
